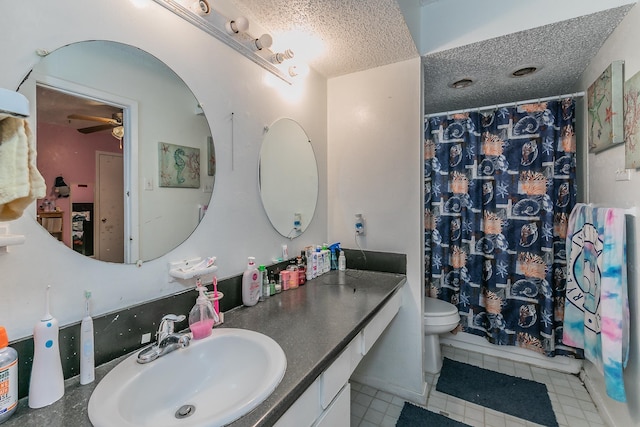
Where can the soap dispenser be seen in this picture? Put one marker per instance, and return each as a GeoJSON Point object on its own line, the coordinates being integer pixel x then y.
{"type": "Point", "coordinates": [202, 316]}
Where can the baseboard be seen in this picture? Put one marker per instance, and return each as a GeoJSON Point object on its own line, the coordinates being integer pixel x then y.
{"type": "Point", "coordinates": [408, 395]}
{"type": "Point", "coordinates": [598, 399]}
{"type": "Point", "coordinates": [478, 344]}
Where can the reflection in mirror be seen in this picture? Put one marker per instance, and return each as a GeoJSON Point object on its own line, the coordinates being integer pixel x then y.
{"type": "Point", "coordinates": [288, 178]}
{"type": "Point", "coordinates": [123, 132]}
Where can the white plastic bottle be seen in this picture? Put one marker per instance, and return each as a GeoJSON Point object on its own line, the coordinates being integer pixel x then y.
{"type": "Point", "coordinates": [320, 264]}
{"type": "Point", "coordinates": [326, 259]}
{"type": "Point", "coordinates": [309, 256]}
{"type": "Point", "coordinates": [87, 361]}
{"type": "Point", "coordinates": [250, 284]}
{"type": "Point", "coordinates": [8, 378]}
{"type": "Point", "coordinates": [342, 262]}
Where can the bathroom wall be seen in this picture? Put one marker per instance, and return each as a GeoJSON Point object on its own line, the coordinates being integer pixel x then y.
{"type": "Point", "coordinates": [375, 166]}
{"type": "Point", "coordinates": [603, 189]}
{"type": "Point", "coordinates": [224, 82]}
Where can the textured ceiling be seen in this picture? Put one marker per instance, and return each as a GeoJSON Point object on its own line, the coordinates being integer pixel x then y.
{"type": "Point", "coordinates": [356, 34]}
{"type": "Point", "coordinates": [563, 50]}
{"type": "Point", "coordinates": [363, 34]}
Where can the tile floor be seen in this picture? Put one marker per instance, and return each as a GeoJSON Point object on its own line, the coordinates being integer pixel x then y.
{"type": "Point", "coordinates": [571, 402]}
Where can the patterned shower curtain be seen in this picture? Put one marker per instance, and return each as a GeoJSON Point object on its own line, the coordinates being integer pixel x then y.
{"type": "Point", "coordinates": [499, 188]}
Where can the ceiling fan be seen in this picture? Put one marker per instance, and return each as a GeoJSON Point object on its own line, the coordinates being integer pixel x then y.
{"type": "Point", "coordinates": [107, 123]}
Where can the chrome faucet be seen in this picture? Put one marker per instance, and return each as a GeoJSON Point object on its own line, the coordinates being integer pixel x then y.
{"type": "Point", "coordinates": [167, 340]}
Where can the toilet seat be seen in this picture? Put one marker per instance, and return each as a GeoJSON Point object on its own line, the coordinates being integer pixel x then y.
{"type": "Point", "coordinates": [440, 313]}
{"type": "Point", "coordinates": [438, 308]}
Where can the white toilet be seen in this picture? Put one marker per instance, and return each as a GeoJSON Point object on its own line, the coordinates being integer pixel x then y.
{"type": "Point", "coordinates": [440, 317]}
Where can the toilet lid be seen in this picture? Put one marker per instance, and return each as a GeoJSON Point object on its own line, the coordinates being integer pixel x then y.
{"type": "Point", "coordinates": [435, 307]}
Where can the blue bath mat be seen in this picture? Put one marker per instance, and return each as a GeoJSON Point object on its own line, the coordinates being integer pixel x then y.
{"type": "Point", "coordinates": [521, 398]}
{"type": "Point", "coordinates": [415, 416]}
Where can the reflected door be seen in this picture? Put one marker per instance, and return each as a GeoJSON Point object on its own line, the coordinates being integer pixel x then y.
{"type": "Point", "coordinates": [109, 207]}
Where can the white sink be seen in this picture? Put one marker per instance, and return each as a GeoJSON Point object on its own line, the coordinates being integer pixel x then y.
{"type": "Point", "coordinates": [223, 376]}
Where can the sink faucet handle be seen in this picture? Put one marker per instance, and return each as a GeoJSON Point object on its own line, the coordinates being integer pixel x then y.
{"type": "Point", "coordinates": [174, 317]}
{"type": "Point", "coordinates": [167, 324]}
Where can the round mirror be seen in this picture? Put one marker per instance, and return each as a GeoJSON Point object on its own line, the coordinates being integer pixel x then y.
{"type": "Point", "coordinates": [288, 178]}
{"type": "Point", "coordinates": [125, 150]}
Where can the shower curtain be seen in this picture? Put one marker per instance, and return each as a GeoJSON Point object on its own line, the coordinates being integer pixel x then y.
{"type": "Point", "coordinates": [499, 188]}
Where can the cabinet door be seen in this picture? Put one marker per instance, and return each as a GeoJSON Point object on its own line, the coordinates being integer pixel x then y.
{"type": "Point", "coordinates": [338, 414]}
{"type": "Point", "coordinates": [379, 323]}
{"type": "Point", "coordinates": [305, 410]}
{"type": "Point", "coordinates": [333, 379]}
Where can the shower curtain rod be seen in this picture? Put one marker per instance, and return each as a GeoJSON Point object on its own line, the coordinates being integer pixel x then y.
{"type": "Point", "coordinates": [507, 104]}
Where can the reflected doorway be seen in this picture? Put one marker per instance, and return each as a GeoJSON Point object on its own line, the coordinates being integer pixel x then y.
{"type": "Point", "coordinates": [109, 207]}
{"type": "Point", "coordinates": [81, 139]}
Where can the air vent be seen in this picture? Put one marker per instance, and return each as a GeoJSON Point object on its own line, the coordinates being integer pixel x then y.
{"type": "Point", "coordinates": [524, 71]}
{"type": "Point", "coordinates": [461, 84]}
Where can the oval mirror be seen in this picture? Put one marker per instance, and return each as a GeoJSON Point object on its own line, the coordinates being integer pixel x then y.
{"type": "Point", "coordinates": [288, 178]}
{"type": "Point", "coordinates": [125, 150]}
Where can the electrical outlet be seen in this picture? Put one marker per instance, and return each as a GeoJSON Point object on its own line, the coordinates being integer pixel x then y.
{"type": "Point", "coordinates": [297, 222]}
{"type": "Point", "coordinates": [146, 338]}
{"type": "Point", "coordinates": [359, 224]}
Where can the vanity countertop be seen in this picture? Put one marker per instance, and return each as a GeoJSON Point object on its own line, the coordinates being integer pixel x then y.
{"type": "Point", "coordinates": [312, 324]}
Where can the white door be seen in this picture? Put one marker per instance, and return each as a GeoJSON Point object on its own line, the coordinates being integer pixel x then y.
{"type": "Point", "coordinates": [109, 215]}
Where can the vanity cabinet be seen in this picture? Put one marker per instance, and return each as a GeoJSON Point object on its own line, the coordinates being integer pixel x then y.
{"type": "Point", "coordinates": [327, 402]}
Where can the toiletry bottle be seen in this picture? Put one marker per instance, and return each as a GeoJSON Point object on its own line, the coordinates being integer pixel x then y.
{"type": "Point", "coordinates": [46, 384]}
{"type": "Point", "coordinates": [317, 263]}
{"type": "Point", "coordinates": [261, 278]}
{"type": "Point", "coordinates": [342, 262]}
{"type": "Point", "coordinates": [278, 282]}
{"type": "Point", "coordinates": [326, 258]}
{"type": "Point", "coordinates": [272, 284]}
{"type": "Point", "coordinates": [202, 316]}
{"type": "Point", "coordinates": [87, 361]}
{"type": "Point", "coordinates": [265, 290]}
{"type": "Point", "coordinates": [302, 269]}
{"type": "Point", "coordinates": [293, 274]}
{"type": "Point", "coordinates": [335, 251]}
{"type": "Point", "coordinates": [284, 280]}
{"type": "Point", "coordinates": [8, 378]}
{"type": "Point", "coordinates": [250, 284]}
{"type": "Point", "coordinates": [309, 255]}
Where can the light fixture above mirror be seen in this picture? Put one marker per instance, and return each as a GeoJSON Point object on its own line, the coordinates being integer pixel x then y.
{"type": "Point", "coordinates": [232, 32]}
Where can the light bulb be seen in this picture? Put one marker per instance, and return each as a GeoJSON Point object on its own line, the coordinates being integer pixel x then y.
{"type": "Point", "coordinates": [200, 7]}
{"type": "Point", "coordinates": [265, 41]}
{"type": "Point", "coordinates": [279, 58]}
{"type": "Point", "coordinates": [240, 24]}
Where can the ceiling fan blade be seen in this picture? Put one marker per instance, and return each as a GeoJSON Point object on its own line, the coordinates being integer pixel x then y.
{"type": "Point", "coordinates": [93, 119]}
{"type": "Point", "coordinates": [96, 128]}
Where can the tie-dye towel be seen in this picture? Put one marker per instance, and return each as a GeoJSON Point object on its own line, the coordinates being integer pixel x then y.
{"type": "Point", "coordinates": [596, 306]}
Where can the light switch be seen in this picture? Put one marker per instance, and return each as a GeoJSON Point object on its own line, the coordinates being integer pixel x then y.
{"type": "Point", "coordinates": [623, 175]}
{"type": "Point", "coordinates": [148, 184]}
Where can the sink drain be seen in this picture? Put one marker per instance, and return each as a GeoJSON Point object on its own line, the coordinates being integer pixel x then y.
{"type": "Point", "coordinates": [185, 411]}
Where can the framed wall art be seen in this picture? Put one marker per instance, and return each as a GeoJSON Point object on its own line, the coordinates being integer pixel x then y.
{"type": "Point", "coordinates": [605, 109]}
{"type": "Point", "coordinates": [179, 166]}
{"type": "Point", "coordinates": [632, 122]}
